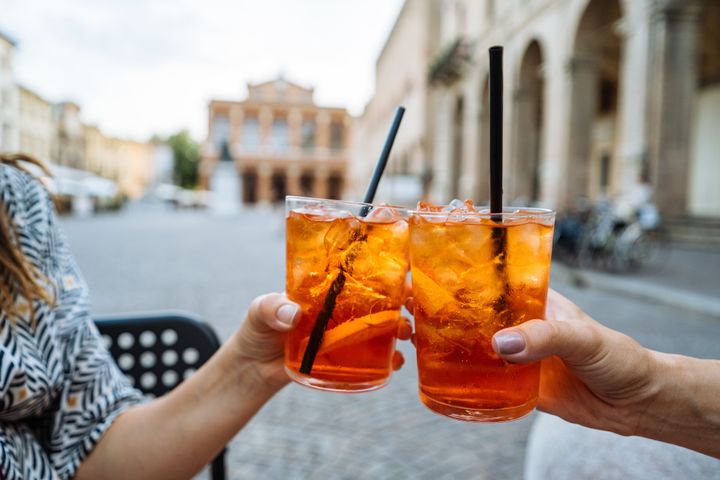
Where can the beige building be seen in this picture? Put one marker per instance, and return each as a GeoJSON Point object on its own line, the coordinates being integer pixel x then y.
{"type": "Point", "coordinates": [600, 96]}
{"type": "Point", "coordinates": [401, 79]}
{"type": "Point", "coordinates": [9, 102]}
{"type": "Point", "coordinates": [280, 142]}
{"type": "Point", "coordinates": [68, 145]}
{"type": "Point", "coordinates": [35, 124]}
{"type": "Point", "coordinates": [129, 163]}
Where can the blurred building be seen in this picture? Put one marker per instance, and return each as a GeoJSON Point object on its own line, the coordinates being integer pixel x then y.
{"type": "Point", "coordinates": [36, 127]}
{"type": "Point", "coordinates": [280, 142]}
{"type": "Point", "coordinates": [68, 145]}
{"type": "Point", "coordinates": [601, 98]}
{"type": "Point", "coordinates": [401, 79]}
{"type": "Point", "coordinates": [129, 163]}
{"type": "Point", "coordinates": [9, 102]}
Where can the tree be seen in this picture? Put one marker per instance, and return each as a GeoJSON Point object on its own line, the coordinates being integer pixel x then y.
{"type": "Point", "coordinates": [186, 155]}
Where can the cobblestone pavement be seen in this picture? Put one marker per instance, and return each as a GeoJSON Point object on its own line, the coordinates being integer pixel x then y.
{"type": "Point", "coordinates": [146, 258]}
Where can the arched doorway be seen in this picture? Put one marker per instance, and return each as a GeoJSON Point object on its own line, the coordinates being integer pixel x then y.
{"type": "Point", "coordinates": [482, 174]}
{"type": "Point", "coordinates": [307, 183]}
{"type": "Point", "coordinates": [457, 147]}
{"type": "Point", "coordinates": [595, 83]}
{"type": "Point", "coordinates": [279, 186]}
{"type": "Point", "coordinates": [704, 195]}
{"type": "Point", "coordinates": [250, 184]}
{"type": "Point", "coordinates": [528, 133]}
{"type": "Point", "coordinates": [335, 185]}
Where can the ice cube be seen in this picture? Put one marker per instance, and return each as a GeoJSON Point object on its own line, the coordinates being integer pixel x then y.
{"type": "Point", "coordinates": [341, 234]}
{"type": "Point", "coordinates": [455, 204]}
{"type": "Point", "coordinates": [528, 244]}
{"type": "Point", "coordinates": [323, 213]}
{"type": "Point", "coordinates": [383, 215]}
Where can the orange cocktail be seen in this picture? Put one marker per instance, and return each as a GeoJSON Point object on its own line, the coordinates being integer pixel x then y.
{"type": "Point", "coordinates": [472, 275]}
{"type": "Point", "coordinates": [350, 261]}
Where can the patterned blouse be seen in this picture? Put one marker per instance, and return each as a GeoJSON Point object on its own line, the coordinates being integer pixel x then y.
{"type": "Point", "coordinates": [59, 387]}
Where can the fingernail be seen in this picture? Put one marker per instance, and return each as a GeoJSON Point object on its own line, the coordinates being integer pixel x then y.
{"type": "Point", "coordinates": [508, 343]}
{"type": "Point", "coordinates": [286, 313]}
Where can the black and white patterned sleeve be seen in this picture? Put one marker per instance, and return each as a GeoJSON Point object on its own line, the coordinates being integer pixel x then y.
{"type": "Point", "coordinates": [94, 390]}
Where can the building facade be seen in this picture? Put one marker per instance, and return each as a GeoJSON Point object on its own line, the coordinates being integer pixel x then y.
{"type": "Point", "coordinates": [280, 142]}
{"type": "Point", "coordinates": [602, 97]}
{"type": "Point", "coordinates": [401, 79]}
{"type": "Point", "coordinates": [129, 163]}
{"type": "Point", "coordinates": [68, 145]}
{"type": "Point", "coordinates": [9, 101]}
{"type": "Point", "coordinates": [36, 127]}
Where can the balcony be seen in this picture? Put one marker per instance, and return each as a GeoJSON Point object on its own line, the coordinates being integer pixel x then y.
{"type": "Point", "coordinates": [450, 63]}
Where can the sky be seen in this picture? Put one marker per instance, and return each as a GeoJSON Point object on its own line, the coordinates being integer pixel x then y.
{"type": "Point", "coordinates": [144, 67]}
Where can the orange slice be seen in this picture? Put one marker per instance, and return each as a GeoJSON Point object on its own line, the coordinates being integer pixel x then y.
{"type": "Point", "coordinates": [356, 331]}
{"type": "Point", "coordinates": [427, 294]}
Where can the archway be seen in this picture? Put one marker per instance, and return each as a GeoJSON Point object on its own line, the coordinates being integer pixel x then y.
{"type": "Point", "coordinates": [528, 133]}
{"type": "Point", "coordinates": [335, 185]}
{"type": "Point", "coordinates": [704, 196]}
{"type": "Point", "coordinates": [250, 184]}
{"type": "Point", "coordinates": [307, 183]}
{"type": "Point", "coordinates": [595, 83]}
{"type": "Point", "coordinates": [279, 186]}
{"type": "Point", "coordinates": [482, 182]}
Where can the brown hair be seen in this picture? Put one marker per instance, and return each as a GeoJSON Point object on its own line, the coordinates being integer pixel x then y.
{"type": "Point", "coordinates": [20, 282]}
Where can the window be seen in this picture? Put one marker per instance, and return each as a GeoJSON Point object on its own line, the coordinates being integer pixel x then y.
{"type": "Point", "coordinates": [280, 135]}
{"type": "Point", "coordinates": [221, 133]}
{"type": "Point", "coordinates": [307, 133]}
{"type": "Point", "coordinates": [336, 136]}
{"type": "Point", "coordinates": [251, 134]}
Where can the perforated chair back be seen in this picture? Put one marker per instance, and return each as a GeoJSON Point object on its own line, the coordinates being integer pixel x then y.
{"type": "Point", "coordinates": [158, 351]}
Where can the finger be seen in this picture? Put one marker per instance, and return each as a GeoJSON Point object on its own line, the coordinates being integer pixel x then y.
{"type": "Point", "coordinates": [273, 311]}
{"type": "Point", "coordinates": [398, 360]}
{"type": "Point", "coordinates": [404, 329]}
{"type": "Point", "coordinates": [577, 343]}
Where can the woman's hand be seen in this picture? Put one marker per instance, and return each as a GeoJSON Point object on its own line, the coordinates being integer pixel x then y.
{"type": "Point", "coordinates": [259, 341]}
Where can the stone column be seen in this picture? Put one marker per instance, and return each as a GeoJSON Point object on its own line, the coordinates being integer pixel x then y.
{"type": "Point", "coordinates": [295, 128]}
{"type": "Point", "coordinates": [265, 120]}
{"type": "Point", "coordinates": [583, 105]}
{"type": "Point", "coordinates": [671, 84]}
{"type": "Point", "coordinates": [264, 187]}
{"type": "Point", "coordinates": [322, 133]}
{"type": "Point", "coordinates": [320, 185]}
{"type": "Point", "coordinates": [237, 116]}
{"type": "Point", "coordinates": [293, 180]}
{"type": "Point", "coordinates": [631, 148]}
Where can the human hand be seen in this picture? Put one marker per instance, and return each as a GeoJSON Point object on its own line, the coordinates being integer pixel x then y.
{"type": "Point", "coordinates": [591, 375]}
{"type": "Point", "coordinates": [259, 341]}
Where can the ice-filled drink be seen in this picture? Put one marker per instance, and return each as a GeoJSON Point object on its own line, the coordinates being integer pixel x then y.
{"type": "Point", "coordinates": [346, 268]}
{"type": "Point", "coordinates": [473, 274]}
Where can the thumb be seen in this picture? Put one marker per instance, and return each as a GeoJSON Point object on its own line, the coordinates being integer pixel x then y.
{"type": "Point", "coordinates": [272, 311]}
{"type": "Point", "coordinates": [577, 343]}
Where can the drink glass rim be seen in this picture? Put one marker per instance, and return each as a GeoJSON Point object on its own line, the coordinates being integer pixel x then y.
{"type": "Point", "coordinates": [300, 198]}
{"type": "Point", "coordinates": [510, 213]}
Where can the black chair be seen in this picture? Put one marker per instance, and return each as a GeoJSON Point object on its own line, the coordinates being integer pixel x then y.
{"type": "Point", "coordinates": [158, 351]}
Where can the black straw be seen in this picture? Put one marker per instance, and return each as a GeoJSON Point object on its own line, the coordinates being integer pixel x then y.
{"type": "Point", "coordinates": [325, 314]}
{"type": "Point", "coordinates": [499, 234]}
{"type": "Point", "coordinates": [496, 129]}
{"type": "Point", "coordinates": [382, 161]}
